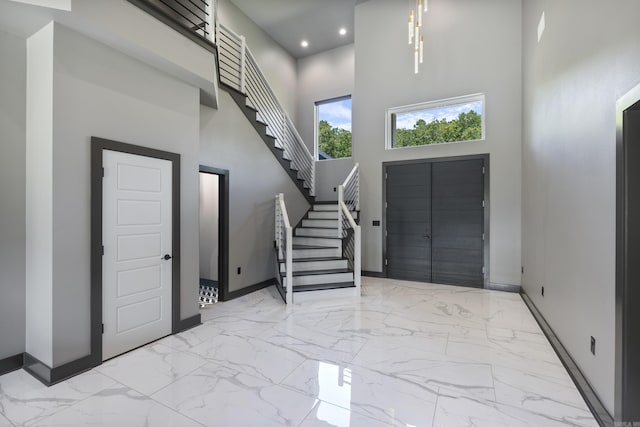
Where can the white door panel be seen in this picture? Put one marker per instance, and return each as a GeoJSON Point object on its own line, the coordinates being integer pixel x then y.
{"type": "Point", "coordinates": [136, 234]}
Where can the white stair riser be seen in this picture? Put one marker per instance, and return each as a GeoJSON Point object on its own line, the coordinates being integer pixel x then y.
{"type": "Point", "coordinates": [318, 279]}
{"type": "Point", "coordinates": [321, 223]}
{"type": "Point", "coordinates": [316, 265]}
{"type": "Point", "coordinates": [317, 253]}
{"type": "Point", "coordinates": [328, 215]}
{"type": "Point", "coordinates": [314, 241]}
{"type": "Point", "coordinates": [316, 232]}
{"type": "Point", "coordinates": [306, 296]}
{"type": "Point", "coordinates": [328, 207]}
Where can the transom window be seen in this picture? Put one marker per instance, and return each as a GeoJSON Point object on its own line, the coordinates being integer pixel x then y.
{"type": "Point", "coordinates": [436, 122]}
{"type": "Point", "coordinates": [333, 128]}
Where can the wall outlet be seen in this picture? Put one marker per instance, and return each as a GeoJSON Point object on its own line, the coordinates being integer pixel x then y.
{"type": "Point", "coordinates": [593, 346]}
{"type": "Point", "coordinates": [543, 291]}
{"type": "Point", "coordinates": [376, 223]}
{"type": "Point", "coordinates": [239, 270]}
{"type": "Point", "coordinates": [334, 189]}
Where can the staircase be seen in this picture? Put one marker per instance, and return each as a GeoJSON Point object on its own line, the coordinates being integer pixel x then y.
{"type": "Point", "coordinates": [323, 252]}
{"type": "Point", "coordinates": [241, 76]}
{"type": "Point", "coordinates": [318, 260]}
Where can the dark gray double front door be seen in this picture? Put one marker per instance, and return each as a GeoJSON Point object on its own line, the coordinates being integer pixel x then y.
{"type": "Point", "coordinates": [435, 222]}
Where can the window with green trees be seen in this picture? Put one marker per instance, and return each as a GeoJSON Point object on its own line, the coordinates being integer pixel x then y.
{"type": "Point", "coordinates": [438, 122]}
{"type": "Point", "coordinates": [333, 128]}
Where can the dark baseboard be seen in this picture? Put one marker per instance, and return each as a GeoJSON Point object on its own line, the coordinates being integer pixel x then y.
{"type": "Point", "coordinates": [50, 376]}
{"type": "Point", "coordinates": [377, 274]}
{"type": "Point", "coordinates": [503, 287]}
{"type": "Point", "coordinates": [593, 402]}
{"type": "Point", "coordinates": [188, 323]}
{"type": "Point", "coordinates": [12, 363]}
{"type": "Point", "coordinates": [250, 289]}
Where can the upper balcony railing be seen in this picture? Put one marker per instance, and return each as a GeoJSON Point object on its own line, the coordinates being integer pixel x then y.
{"type": "Point", "coordinates": [195, 19]}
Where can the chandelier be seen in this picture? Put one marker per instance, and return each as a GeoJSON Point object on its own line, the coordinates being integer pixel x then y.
{"type": "Point", "coordinates": [416, 41]}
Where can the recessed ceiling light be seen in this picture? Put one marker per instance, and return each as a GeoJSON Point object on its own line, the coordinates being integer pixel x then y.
{"type": "Point", "coordinates": [343, 31]}
{"type": "Point", "coordinates": [304, 43]}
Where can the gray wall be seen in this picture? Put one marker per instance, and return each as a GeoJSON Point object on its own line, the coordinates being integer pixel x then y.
{"type": "Point", "coordinates": [99, 92]}
{"type": "Point", "coordinates": [470, 46]}
{"type": "Point", "coordinates": [278, 66]}
{"type": "Point", "coordinates": [586, 59]}
{"type": "Point", "coordinates": [12, 185]}
{"type": "Point", "coordinates": [329, 175]}
{"type": "Point", "coordinates": [228, 141]}
{"type": "Point", "coordinates": [209, 222]}
{"type": "Point", "coordinates": [323, 76]}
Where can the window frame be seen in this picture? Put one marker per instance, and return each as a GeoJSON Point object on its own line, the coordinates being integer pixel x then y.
{"type": "Point", "coordinates": [316, 124]}
{"type": "Point", "coordinates": [390, 123]}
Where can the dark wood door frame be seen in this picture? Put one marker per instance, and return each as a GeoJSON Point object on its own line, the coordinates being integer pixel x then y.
{"type": "Point", "coordinates": [223, 229]}
{"type": "Point", "coordinates": [485, 158]}
{"type": "Point", "coordinates": [627, 365]}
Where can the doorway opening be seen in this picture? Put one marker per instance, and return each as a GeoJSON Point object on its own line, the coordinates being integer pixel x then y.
{"type": "Point", "coordinates": [627, 367]}
{"type": "Point", "coordinates": [214, 242]}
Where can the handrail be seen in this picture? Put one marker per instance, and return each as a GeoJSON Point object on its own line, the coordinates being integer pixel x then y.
{"type": "Point", "coordinates": [240, 70]}
{"type": "Point", "coordinates": [284, 245]}
{"type": "Point", "coordinates": [349, 194]}
{"type": "Point", "coordinates": [352, 243]}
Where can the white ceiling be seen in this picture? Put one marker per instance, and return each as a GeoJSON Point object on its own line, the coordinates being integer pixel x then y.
{"type": "Point", "coordinates": [289, 22]}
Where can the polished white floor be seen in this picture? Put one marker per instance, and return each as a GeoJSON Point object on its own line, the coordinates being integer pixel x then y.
{"type": "Point", "coordinates": [405, 354]}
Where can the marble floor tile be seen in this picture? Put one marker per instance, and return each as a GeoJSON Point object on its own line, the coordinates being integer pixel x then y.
{"type": "Point", "coordinates": [4, 422]}
{"type": "Point", "coordinates": [118, 406]}
{"type": "Point", "coordinates": [535, 357]}
{"type": "Point", "coordinates": [268, 361]}
{"type": "Point", "coordinates": [192, 337]}
{"type": "Point", "coordinates": [219, 396]}
{"type": "Point", "coordinates": [151, 368]}
{"type": "Point", "coordinates": [389, 399]}
{"type": "Point", "coordinates": [432, 371]}
{"type": "Point", "coordinates": [404, 354]}
{"type": "Point", "coordinates": [544, 396]}
{"type": "Point", "coordinates": [463, 411]}
{"type": "Point", "coordinates": [327, 415]}
{"type": "Point", "coordinates": [25, 400]}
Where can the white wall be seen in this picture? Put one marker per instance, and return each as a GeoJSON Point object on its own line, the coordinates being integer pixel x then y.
{"type": "Point", "coordinates": [209, 222]}
{"type": "Point", "coordinates": [12, 193]}
{"type": "Point", "coordinates": [228, 141]}
{"type": "Point", "coordinates": [323, 76]}
{"type": "Point", "coordinates": [277, 65]}
{"type": "Point", "coordinates": [39, 196]}
{"type": "Point", "coordinates": [98, 91]}
{"type": "Point", "coordinates": [572, 79]}
{"type": "Point", "coordinates": [470, 47]}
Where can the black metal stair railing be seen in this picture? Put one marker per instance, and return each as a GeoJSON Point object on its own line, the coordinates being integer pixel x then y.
{"type": "Point", "coordinates": [195, 17]}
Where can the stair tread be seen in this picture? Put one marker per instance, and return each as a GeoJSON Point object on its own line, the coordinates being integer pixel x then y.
{"type": "Point", "coordinates": [318, 272]}
{"type": "Point", "coordinates": [328, 258]}
{"type": "Point", "coordinates": [318, 237]}
{"type": "Point", "coordinates": [323, 287]}
{"type": "Point", "coordinates": [314, 247]}
{"type": "Point", "coordinates": [317, 228]}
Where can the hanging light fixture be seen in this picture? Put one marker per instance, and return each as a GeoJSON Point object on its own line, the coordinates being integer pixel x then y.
{"type": "Point", "coordinates": [416, 40]}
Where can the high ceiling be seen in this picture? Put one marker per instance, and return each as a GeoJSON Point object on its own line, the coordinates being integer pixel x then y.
{"type": "Point", "coordinates": [289, 22]}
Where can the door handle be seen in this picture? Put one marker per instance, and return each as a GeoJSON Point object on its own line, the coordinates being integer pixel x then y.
{"type": "Point", "coordinates": [167, 257]}
{"type": "Point", "coordinates": [427, 236]}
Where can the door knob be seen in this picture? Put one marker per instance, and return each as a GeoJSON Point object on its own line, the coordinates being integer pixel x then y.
{"type": "Point", "coordinates": [167, 257]}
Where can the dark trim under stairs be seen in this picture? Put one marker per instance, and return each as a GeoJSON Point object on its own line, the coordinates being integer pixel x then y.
{"type": "Point", "coordinates": [261, 128]}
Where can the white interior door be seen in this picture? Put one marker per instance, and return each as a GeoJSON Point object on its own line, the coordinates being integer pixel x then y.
{"type": "Point", "coordinates": [136, 234]}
